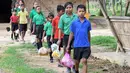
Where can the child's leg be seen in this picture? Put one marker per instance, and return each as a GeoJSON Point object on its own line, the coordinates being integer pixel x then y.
{"type": "Point", "coordinates": [77, 66]}
{"type": "Point", "coordinates": [85, 55]}
{"type": "Point", "coordinates": [84, 62]}
{"type": "Point", "coordinates": [12, 34]}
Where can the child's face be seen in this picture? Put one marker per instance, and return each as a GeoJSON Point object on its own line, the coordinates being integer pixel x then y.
{"type": "Point", "coordinates": [38, 9]}
{"type": "Point", "coordinates": [81, 12]}
{"type": "Point", "coordinates": [16, 5]}
{"type": "Point", "coordinates": [50, 18]}
{"type": "Point", "coordinates": [69, 9]}
{"type": "Point", "coordinates": [35, 4]}
{"type": "Point", "coordinates": [14, 13]}
{"type": "Point", "coordinates": [22, 7]}
{"type": "Point", "coordinates": [20, 2]}
{"type": "Point", "coordinates": [61, 12]}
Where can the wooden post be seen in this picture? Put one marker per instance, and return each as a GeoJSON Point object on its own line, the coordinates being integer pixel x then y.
{"type": "Point", "coordinates": [112, 28]}
{"type": "Point", "coordinates": [127, 7]}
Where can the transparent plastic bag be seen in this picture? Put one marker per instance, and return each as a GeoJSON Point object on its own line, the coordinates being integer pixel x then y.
{"type": "Point", "coordinates": [54, 47]}
{"type": "Point", "coordinates": [56, 54]}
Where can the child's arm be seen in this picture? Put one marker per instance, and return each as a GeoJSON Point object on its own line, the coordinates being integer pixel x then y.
{"type": "Point", "coordinates": [59, 37]}
{"type": "Point", "coordinates": [53, 29]}
{"type": "Point", "coordinates": [89, 37]}
{"type": "Point", "coordinates": [10, 20]}
{"type": "Point", "coordinates": [43, 36]}
{"type": "Point", "coordinates": [70, 39]}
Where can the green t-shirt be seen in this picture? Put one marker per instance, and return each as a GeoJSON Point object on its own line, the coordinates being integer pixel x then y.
{"type": "Point", "coordinates": [48, 28]}
{"type": "Point", "coordinates": [32, 13]}
{"type": "Point", "coordinates": [65, 22]}
{"type": "Point", "coordinates": [39, 19]}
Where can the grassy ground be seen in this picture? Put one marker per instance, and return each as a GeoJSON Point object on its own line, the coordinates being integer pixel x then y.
{"type": "Point", "coordinates": [106, 41]}
{"type": "Point", "coordinates": [13, 61]}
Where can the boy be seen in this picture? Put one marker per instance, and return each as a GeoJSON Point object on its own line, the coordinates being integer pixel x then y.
{"type": "Point", "coordinates": [64, 25]}
{"type": "Point", "coordinates": [14, 25]}
{"type": "Point", "coordinates": [48, 31]}
{"type": "Point", "coordinates": [23, 22]}
{"type": "Point", "coordinates": [80, 29]}
{"type": "Point", "coordinates": [38, 20]}
{"type": "Point", "coordinates": [55, 31]}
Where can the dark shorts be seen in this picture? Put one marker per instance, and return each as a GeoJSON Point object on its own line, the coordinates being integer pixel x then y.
{"type": "Point", "coordinates": [31, 26]}
{"type": "Point", "coordinates": [23, 27]}
{"type": "Point", "coordinates": [49, 43]}
{"type": "Point", "coordinates": [39, 31]}
{"type": "Point", "coordinates": [14, 26]}
{"type": "Point", "coordinates": [81, 52]}
{"type": "Point", "coordinates": [61, 44]}
{"type": "Point", "coordinates": [65, 42]}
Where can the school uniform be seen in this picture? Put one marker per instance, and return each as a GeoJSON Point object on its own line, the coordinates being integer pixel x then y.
{"type": "Point", "coordinates": [64, 25]}
{"type": "Point", "coordinates": [23, 20]}
{"type": "Point", "coordinates": [81, 41]}
{"type": "Point", "coordinates": [39, 21]}
{"type": "Point", "coordinates": [32, 14]}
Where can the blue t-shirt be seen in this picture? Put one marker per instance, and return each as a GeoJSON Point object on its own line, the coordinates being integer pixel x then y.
{"type": "Point", "coordinates": [80, 31]}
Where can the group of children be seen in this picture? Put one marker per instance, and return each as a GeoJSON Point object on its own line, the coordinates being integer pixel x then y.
{"type": "Point", "coordinates": [19, 21]}
{"type": "Point", "coordinates": [67, 29]}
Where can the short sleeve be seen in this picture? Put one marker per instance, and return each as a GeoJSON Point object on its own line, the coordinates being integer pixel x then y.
{"type": "Point", "coordinates": [26, 13]}
{"type": "Point", "coordinates": [11, 18]}
{"type": "Point", "coordinates": [89, 27]}
{"type": "Point", "coordinates": [45, 27]}
{"type": "Point", "coordinates": [34, 19]}
{"type": "Point", "coordinates": [60, 25]}
{"type": "Point", "coordinates": [72, 27]}
{"type": "Point", "coordinates": [53, 22]}
{"type": "Point", "coordinates": [31, 15]}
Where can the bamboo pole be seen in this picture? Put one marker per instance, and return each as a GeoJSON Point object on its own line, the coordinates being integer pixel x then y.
{"type": "Point", "coordinates": [112, 28]}
{"type": "Point", "coordinates": [127, 7]}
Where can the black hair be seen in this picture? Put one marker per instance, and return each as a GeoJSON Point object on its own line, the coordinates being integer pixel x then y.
{"type": "Point", "coordinates": [51, 15]}
{"type": "Point", "coordinates": [81, 6]}
{"type": "Point", "coordinates": [22, 5]}
{"type": "Point", "coordinates": [60, 7]}
{"type": "Point", "coordinates": [68, 3]}
{"type": "Point", "coordinates": [37, 7]}
{"type": "Point", "coordinates": [33, 5]}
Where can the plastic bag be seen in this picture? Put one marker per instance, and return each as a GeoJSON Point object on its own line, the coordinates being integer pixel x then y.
{"type": "Point", "coordinates": [33, 39]}
{"type": "Point", "coordinates": [67, 61]}
{"type": "Point", "coordinates": [54, 47]}
{"type": "Point", "coordinates": [43, 51]}
{"type": "Point", "coordinates": [56, 54]}
{"type": "Point", "coordinates": [17, 31]}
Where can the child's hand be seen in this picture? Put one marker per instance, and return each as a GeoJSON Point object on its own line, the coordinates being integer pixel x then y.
{"type": "Point", "coordinates": [51, 39]}
{"type": "Point", "coordinates": [42, 40]}
{"type": "Point", "coordinates": [67, 48]}
{"type": "Point", "coordinates": [58, 42]}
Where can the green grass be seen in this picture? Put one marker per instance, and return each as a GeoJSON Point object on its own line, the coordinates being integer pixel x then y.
{"type": "Point", "coordinates": [105, 41]}
{"type": "Point", "coordinates": [23, 46]}
{"type": "Point", "coordinates": [14, 62]}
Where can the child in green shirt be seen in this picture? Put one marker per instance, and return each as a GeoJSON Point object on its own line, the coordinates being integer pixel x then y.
{"type": "Point", "coordinates": [48, 31]}
{"type": "Point", "coordinates": [38, 20]}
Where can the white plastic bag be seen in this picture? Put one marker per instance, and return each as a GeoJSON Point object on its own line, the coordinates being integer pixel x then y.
{"type": "Point", "coordinates": [54, 47]}
{"type": "Point", "coordinates": [43, 51]}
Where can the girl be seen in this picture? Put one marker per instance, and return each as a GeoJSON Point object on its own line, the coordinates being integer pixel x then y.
{"type": "Point", "coordinates": [39, 20]}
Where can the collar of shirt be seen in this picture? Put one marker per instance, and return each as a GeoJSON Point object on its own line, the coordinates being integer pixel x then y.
{"type": "Point", "coordinates": [85, 20]}
{"type": "Point", "coordinates": [67, 16]}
